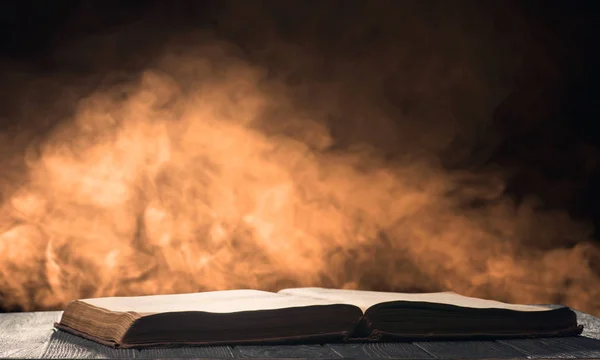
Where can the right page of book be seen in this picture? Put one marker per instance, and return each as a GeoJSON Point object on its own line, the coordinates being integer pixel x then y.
{"type": "Point", "coordinates": [366, 299]}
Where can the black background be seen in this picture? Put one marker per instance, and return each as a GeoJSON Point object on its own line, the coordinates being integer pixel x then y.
{"type": "Point", "coordinates": [541, 135]}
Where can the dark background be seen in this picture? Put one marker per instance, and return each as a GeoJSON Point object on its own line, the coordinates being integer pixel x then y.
{"type": "Point", "coordinates": [548, 129]}
{"type": "Point", "coordinates": [545, 133]}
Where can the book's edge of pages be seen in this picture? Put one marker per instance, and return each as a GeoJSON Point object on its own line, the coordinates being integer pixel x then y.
{"type": "Point", "coordinates": [323, 338]}
{"type": "Point", "coordinates": [109, 326]}
{"type": "Point", "coordinates": [386, 336]}
{"type": "Point", "coordinates": [65, 328]}
{"type": "Point", "coordinates": [290, 340]}
{"type": "Point", "coordinates": [367, 299]}
{"type": "Point", "coordinates": [317, 338]}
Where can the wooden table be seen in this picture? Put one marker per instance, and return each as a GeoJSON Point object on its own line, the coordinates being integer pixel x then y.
{"type": "Point", "coordinates": [31, 335]}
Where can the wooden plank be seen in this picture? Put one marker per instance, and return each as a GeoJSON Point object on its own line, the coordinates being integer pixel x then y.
{"type": "Point", "coordinates": [64, 346]}
{"type": "Point", "coordinates": [381, 351]}
{"type": "Point", "coordinates": [469, 349]}
{"type": "Point", "coordinates": [26, 334]}
{"type": "Point", "coordinates": [591, 325]}
{"type": "Point", "coordinates": [284, 351]}
{"type": "Point", "coordinates": [213, 352]}
{"type": "Point", "coordinates": [561, 348]}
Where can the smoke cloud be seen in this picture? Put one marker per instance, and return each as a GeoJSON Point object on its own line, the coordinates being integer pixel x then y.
{"type": "Point", "coordinates": [285, 147]}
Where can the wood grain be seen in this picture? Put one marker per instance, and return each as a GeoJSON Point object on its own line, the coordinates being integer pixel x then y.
{"type": "Point", "coordinates": [470, 349]}
{"type": "Point", "coordinates": [561, 348]}
{"type": "Point", "coordinates": [213, 352]}
{"type": "Point", "coordinates": [381, 351]}
{"type": "Point", "coordinates": [63, 345]}
{"type": "Point", "coordinates": [26, 334]}
{"type": "Point", "coordinates": [285, 351]}
{"type": "Point", "coordinates": [591, 325]}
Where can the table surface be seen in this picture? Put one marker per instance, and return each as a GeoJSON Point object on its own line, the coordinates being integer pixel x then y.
{"type": "Point", "coordinates": [31, 335]}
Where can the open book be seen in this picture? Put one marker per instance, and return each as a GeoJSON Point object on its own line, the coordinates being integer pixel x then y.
{"type": "Point", "coordinates": [305, 315]}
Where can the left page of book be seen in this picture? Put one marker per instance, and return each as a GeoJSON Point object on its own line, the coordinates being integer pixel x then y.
{"type": "Point", "coordinates": [227, 301]}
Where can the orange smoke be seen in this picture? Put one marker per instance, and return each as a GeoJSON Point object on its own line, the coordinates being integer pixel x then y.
{"type": "Point", "coordinates": [171, 183]}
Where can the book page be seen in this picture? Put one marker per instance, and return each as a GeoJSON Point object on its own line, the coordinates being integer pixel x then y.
{"type": "Point", "coordinates": [366, 299]}
{"type": "Point", "coordinates": [228, 301]}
